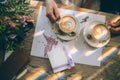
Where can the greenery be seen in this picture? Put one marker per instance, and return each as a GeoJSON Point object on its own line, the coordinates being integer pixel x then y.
{"type": "Point", "coordinates": [15, 22]}
{"type": "Point", "coordinates": [11, 7]}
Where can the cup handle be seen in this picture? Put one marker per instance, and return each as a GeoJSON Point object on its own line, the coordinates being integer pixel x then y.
{"type": "Point", "coordinates": [109, 27]}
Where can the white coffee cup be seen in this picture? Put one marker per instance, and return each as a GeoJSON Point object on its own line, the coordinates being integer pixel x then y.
{"type": "Point", "coordinates": [67, 24]}
{"type": "Point", "coordinates": [99, 31]}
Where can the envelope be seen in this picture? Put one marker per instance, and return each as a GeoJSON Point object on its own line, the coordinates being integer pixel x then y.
{"type": "Point", "coordinates": [59, 58]}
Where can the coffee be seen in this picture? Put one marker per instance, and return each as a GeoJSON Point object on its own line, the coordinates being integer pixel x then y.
{"type": "Point", "coordinates": [67, 24]}
{"type": "Point", "coordinates": [99, 32]}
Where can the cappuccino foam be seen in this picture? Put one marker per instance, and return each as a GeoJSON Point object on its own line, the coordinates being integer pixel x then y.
{"type": "Point", "coordinates": [67, 24]}
{"type": "Point", "coordinates": [100, 32]}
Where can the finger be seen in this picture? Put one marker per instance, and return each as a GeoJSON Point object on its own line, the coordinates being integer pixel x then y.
{"type": "Point", "coordinates": [115, 24]}
{"type": "Point", "coordinates": [115, 30]}
{"type": "Point", "coordinates": [57, 15]}
{"type": "Point", "coordinates": [51, 16]}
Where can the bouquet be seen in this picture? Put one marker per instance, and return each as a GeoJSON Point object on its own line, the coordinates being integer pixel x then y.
{"type": "Point", "coordinates": [15, 23]}
{"type": "Point", "coordinates": [13, 30]}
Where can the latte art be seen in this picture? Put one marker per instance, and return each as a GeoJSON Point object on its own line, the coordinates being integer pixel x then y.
{"type": "Point", "coordinates": [100, 32]}
{"type": "Point", "coordinates": [67, 24]}
{"type": "Point", "coordinates": [96, 34]}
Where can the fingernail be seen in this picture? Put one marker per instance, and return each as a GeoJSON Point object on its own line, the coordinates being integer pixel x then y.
{"type": "Point", "coordinates": [58, 18]}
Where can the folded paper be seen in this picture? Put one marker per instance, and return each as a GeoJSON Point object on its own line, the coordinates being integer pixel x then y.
{"type": "Point", "coordinates": [59, 58]}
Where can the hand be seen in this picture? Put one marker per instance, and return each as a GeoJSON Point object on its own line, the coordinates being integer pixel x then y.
{"type": "Point", "coordinates": [115, 25]}
{"type": "Point", "coordinates": [115, 30]}
{"type": "Point", "coordinates": [52, 10]}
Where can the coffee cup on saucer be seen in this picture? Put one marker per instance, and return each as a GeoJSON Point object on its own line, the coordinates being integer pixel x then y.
{"type": "Point", "coordinates": [97, 34]}
{"type": "Point", "coordinates": [67, 28]}
{"type": "Point", "coordinates": [67, 24]}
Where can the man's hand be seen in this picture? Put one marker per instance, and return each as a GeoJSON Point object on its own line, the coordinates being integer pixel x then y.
{"type": "Point", "coordinates": [52, 10]}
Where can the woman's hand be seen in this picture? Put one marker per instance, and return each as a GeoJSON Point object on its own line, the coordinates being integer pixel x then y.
{"type": "Point", "coordinates": [52, 10]}
{"type": "Point", "coordinates": [115, 30]}
{"type": "Point", "coordinates": [115, 25]}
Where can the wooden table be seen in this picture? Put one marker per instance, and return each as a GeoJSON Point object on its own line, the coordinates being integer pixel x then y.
{"type": "Point", "coordinates": [109, 69]}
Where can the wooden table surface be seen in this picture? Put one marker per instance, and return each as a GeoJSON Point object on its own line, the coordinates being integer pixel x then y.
{"type": "Point", "coordinates": [109, 69]}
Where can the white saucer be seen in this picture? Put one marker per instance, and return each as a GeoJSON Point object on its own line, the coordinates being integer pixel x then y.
{"type": "Point", "coordinates": [92, 42]}
{"type": "Point", "coordinates": [67, 37]}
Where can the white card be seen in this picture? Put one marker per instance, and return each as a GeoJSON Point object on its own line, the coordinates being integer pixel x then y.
{"type": "Point", "coordinates": [59, 58]}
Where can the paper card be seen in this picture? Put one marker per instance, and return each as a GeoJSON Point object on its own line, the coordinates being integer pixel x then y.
{"type": "Point", "coordinates": [59, 58]}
